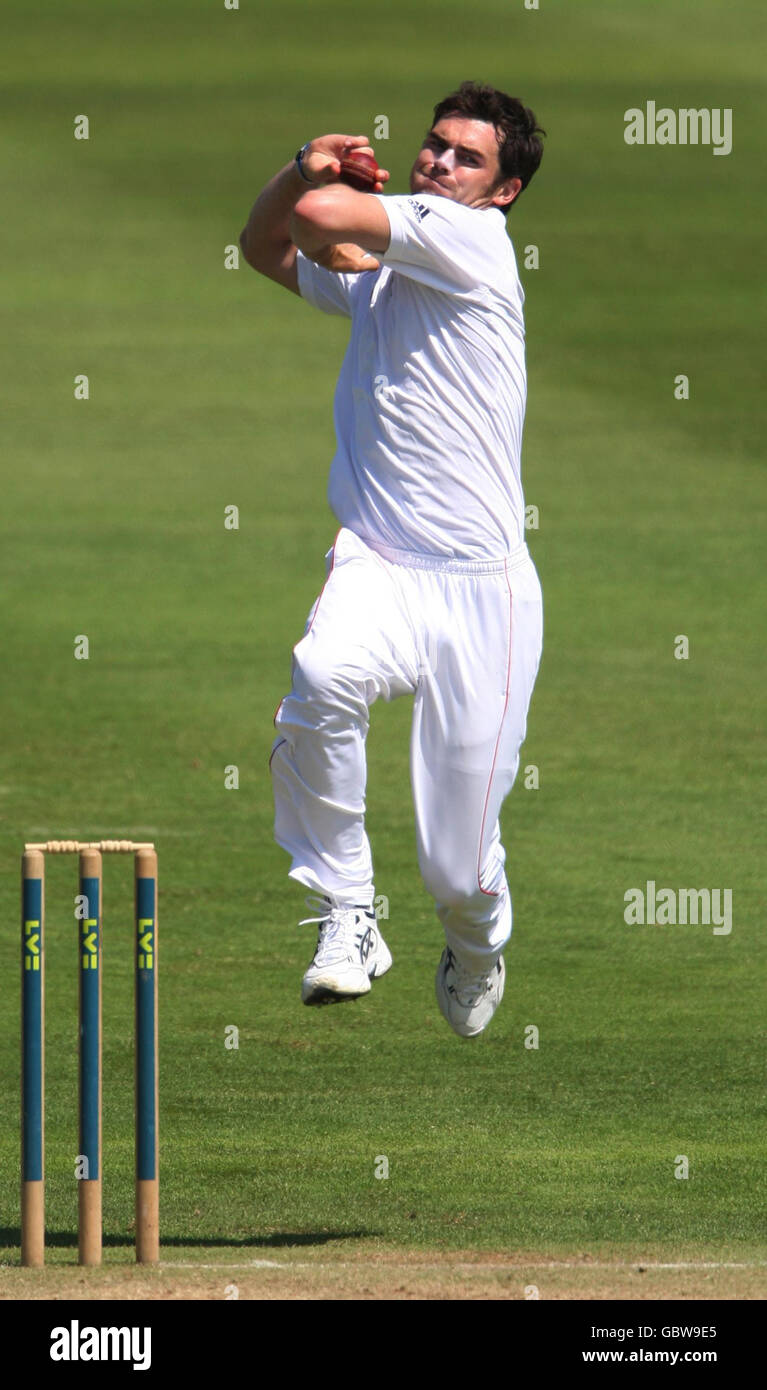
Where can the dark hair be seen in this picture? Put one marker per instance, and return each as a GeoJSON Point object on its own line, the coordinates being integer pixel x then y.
{"type": "Point", "coordinates": [520, 148]}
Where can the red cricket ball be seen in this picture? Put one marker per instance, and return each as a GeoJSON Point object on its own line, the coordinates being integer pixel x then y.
{"type": "Point", "coordinates": [359, 170]}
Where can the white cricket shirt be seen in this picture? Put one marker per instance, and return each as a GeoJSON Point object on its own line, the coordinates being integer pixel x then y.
{"type": "Point", "coordinates": [430, 401]}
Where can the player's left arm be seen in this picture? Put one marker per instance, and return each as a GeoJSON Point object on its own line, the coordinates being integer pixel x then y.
{"type": "Point", "coordinates": [336, 226]}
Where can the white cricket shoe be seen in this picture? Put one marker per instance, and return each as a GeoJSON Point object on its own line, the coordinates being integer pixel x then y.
{"type": "Point", "coordinates": [468, 999]}
{"type": "Point", "coordinates": [350, 953]}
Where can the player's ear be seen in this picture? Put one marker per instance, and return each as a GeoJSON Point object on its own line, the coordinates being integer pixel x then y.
{"type": "Point", "coordinates": [506, 192]}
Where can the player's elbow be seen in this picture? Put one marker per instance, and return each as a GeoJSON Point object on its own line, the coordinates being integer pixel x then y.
{"type": "Point", "coordinates": [314, 212]}
{"type": "Point", "coordinates": [259, 254]}
{"type": "Point", "coordinates": [247, 248]}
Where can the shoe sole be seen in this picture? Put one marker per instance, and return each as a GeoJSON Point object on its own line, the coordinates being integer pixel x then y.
{"type": "Point", "coordinates": [322, 995]}
{"type": "Point", "coordinates": [327, 994]}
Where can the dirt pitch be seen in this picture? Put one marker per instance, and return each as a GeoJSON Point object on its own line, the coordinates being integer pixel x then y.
{"type": "Point", "coordinates": [375, 1275]}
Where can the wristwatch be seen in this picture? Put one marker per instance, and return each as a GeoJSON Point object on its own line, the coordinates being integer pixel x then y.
{"type": "Point", "coordinates": [299, 157]}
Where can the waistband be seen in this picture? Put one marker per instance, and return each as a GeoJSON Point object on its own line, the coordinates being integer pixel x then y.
{"type": "Point", "coordinates": [447, 565]}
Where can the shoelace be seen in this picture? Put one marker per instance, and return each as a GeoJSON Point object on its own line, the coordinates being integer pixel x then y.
{"type": "Point", "coordinates": [468, 987]}
{"type": "Point", "coordinates": [341, 928]}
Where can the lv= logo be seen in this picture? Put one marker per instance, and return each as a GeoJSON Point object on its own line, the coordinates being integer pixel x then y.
{"type": "Point", "coordinates": [32, 945]}
{"type": "Point", "coordinates": [145, 943]}
{"type": "Point", "coordinates": [90, 944]}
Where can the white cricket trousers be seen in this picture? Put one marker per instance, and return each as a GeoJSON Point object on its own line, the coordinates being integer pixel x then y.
{"type": "Point", "coordinates": [464, 638]}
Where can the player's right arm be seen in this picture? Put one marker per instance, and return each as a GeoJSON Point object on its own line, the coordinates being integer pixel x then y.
{"type": "Point", "coordinates": [266, 238]}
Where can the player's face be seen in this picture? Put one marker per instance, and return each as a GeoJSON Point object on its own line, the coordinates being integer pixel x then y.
{"type": "Point", "coordinates": [459, 160]}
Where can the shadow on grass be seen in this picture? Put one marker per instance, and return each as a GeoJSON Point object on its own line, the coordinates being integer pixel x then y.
{"type": "Point", "coordinates": [10, 1236]}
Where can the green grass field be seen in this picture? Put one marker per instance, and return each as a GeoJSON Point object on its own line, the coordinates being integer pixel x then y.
{"type": "Point", "coordinates": [211, 387]}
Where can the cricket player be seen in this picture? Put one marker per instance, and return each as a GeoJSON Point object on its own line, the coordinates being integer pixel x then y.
{"type": "Point", "coordinates": [430, 589]}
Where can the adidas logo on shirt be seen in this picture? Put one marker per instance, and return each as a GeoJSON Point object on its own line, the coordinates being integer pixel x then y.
{"type": "Point", "coordinates": [419, 209]}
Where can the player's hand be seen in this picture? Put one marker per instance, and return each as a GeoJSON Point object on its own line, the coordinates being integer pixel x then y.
{"type": "Point", "coordinates": [322, 161]}
{"type": "Point", "coordinates": [345, 258]}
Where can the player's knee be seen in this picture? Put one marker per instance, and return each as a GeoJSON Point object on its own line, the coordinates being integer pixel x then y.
{"type": "Point", "coordinates": [319, 677]}
{"type": "Point", "coordinates": [451, 885]}
{"type": "Point", "coordinates": [455, 883]}
{"type": "Point", "coordinates": [313, 672]}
